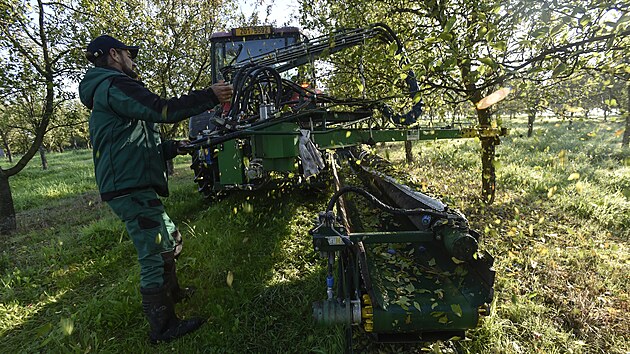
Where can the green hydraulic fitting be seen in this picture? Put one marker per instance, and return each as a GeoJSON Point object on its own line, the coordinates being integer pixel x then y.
{"type": "Point", "coordinates": [330, 312]}
{"type": "Point", "coordinates": [459, 244]}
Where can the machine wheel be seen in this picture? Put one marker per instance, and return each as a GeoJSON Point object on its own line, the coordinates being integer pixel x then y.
{"type": "Point", "coordinates": [205, 176]}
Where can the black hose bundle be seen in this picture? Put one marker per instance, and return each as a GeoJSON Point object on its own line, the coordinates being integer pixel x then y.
{"type": "Point", "coordinates": [254, 85]}
{"type": "Point", "coordinates": [387, 208]}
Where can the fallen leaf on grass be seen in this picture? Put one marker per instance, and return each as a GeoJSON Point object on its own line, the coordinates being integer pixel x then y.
{"type": "Point", "coordinates": [551, 191]}
{"type": "Point", "coordinates": [67, 326]}
{"type": "Point", "coordinates": [230, 278]}
{"type": "Point", "coordinates": [579, 187]}
{"type": "Point", "coordinates": [574, 176]}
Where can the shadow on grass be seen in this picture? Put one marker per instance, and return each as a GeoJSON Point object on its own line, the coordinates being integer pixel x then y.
{"type": "Point", "coordinates": [82, 295]}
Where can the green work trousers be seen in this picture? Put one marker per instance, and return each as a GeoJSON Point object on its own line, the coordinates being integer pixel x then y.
{"type": "Point", "coordinates": [151, 230]}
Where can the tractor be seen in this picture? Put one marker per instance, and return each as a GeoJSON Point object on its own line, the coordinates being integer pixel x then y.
{"type": "Point", "coordinates": [421, 280]}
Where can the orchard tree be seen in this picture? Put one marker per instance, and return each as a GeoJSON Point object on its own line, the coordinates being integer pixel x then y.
{"type": "Point", "coordinates": [5, 133]}
{"type": "Point", "coordinates": [36, 44]}
{"type": "Point", "coordinates": [472, 48]}
{"type": "Point", "coordinates": [617, 70]}
{"type": "Point", "coordinates": [534, 100]}
{"type": "Point", "coordinates": [68, 126]}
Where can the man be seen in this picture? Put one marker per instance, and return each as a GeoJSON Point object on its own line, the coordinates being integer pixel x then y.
{"type": "Point", "coordinates": [130, 169]}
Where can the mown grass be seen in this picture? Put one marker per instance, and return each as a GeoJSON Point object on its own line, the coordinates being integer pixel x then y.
{"type": "Point", "coordinates": [69, 277]}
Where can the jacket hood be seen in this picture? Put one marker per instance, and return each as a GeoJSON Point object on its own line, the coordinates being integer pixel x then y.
{"type": "Point", "coordinates": [92, 79]}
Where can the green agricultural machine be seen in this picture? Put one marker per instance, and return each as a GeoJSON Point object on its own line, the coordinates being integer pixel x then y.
{"type": "Point", "coordinates": [423, 281]}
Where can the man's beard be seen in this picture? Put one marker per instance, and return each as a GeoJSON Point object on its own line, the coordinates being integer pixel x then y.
{"type": "Point", "coordinates": [130, 72]}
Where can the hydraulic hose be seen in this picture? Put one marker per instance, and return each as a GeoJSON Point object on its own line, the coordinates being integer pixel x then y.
{"type": "Point", "coordinates": [387, 208]}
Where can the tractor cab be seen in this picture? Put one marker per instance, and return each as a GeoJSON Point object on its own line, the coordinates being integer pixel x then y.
{"type": "Point", "coordinates": [237, 47]}
{"type": "Point", "coordinates": [241, 44]}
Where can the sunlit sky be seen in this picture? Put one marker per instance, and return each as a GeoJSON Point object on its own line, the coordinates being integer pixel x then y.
{"type": "Point", "coordinates": [283, 12]}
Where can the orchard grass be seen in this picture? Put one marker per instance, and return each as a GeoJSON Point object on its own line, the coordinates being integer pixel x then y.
{"type": "Point", "coordinates": [559, 232]}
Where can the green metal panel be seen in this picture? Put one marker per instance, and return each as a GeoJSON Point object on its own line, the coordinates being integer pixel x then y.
{"type": "Point", "coordinates": [230, 158]}
{"type": "Point", "coordinates": [274, 145]}
{"type": "Point", "coordinates": [278, 147]}
{"type": "Point", "coordinates": [435, 294]}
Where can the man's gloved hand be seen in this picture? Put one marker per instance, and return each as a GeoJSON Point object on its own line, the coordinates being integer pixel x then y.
{"type": "Point", "coordinates": [180, 145]}
{"type": "Point", "coordinates": [223, 91]}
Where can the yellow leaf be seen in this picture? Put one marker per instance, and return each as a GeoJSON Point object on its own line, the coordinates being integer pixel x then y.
{"type": "Point", "coordinates": [457, 261]}
{"type": "Point", "coordinates": [158, 238]}
{"type": "Point", "coordinates": [551, 191]}
{"type": "Point", "coordinates": [574, 176]}
{"type": "Point", "coordinates": [579, 187]}
{"type": "Point", "coordinates": [348, 133]}
{"type": "Point", "coordinates": [457, 309]}
{"type": "Point", "coordinates": [67, 326]}
{"type": "Point", "coordinates": [230, 278]}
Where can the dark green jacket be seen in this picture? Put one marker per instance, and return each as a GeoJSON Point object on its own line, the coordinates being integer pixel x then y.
{"type": "Point", "coordinates": [127, 150]}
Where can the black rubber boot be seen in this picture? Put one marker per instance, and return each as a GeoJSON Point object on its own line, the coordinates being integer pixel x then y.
{"type": "Point", "coordinates": [159, 308]}
{"type": "Point", "coordinates": [170, 279]}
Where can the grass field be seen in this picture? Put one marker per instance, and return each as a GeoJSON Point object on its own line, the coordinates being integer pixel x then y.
{"type": "Point", "coordinates": [559, 231]}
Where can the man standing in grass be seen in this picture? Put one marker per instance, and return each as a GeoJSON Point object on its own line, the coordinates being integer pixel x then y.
{"type": "Point", "coordinates": [130, 169]}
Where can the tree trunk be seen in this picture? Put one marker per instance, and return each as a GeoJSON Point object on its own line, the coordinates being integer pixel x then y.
{"type": "Point", "coordinates": [626, 134]}
{"type": "Point", "coordinates": [605, 114]}
{"type": "Point", "coordinates": [488, 174]}
{"type": "Point", "coordinates": [7, 211]}
{"type": "Point", "coordinates": [42, 154]}
{"type": "Point", "coordinates": [531, 117]}
{"type": "Point", "coordinates": [408, 152]}
{"type": "Point", "coordinates": [7, 148]}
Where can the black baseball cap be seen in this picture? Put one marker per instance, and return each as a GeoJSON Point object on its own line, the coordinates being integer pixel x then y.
{"type": "Point", "coordinates": [102, 44]}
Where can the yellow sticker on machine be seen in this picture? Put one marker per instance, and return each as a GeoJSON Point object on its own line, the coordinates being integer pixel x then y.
{"type": "Point", "coordinates": [253, 30]}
